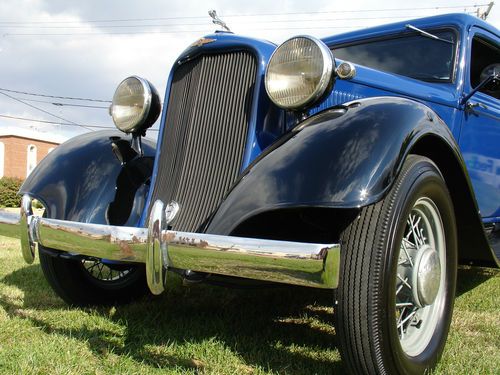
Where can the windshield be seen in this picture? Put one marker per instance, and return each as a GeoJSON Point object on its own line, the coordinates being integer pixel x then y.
{"type": "Point", "coordinates": [414, 56]}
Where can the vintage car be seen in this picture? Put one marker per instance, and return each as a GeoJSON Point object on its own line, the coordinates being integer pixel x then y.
{"type": "Point", "coordinates": [367, 163]}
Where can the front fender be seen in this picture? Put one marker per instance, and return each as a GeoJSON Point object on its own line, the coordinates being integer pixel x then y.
{"type": "Point", "coordinates": [83, 177]}
{"type": "Point", "coordinates": [343, 157]}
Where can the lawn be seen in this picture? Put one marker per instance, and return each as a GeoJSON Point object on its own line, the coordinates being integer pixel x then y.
{"type": "Point", "coordinates": [207, 329]}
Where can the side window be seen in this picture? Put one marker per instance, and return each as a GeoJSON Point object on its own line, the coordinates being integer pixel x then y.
{"type": "Point", "coordinates": [31, 159]}
{"type": "Point", "coordinates": [413, 56]}
{"type": "Point", "coordinates": [485, 60]}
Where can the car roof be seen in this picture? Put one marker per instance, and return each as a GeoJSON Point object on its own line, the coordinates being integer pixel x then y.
{"type": "Point", "coordinates": [460, 20]}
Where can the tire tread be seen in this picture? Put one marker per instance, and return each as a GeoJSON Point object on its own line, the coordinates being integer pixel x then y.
{"type": "Point", "coordinates": [362, 277]}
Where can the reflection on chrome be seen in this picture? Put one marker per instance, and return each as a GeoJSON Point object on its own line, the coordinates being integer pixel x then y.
{"type": "Point", "coordinates": [306, 264]}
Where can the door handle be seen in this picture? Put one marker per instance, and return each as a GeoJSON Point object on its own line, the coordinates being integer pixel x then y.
{"type": "Point", "coordinates": [471, 105]}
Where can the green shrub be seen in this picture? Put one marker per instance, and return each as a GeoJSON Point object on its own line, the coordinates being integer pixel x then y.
{"type": "Point", "coordinates": [36, 204]}
{"type": "Point", "coordinates": [8, 192]}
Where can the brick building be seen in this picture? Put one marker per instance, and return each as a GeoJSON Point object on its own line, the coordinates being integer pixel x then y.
{"type": "Point", "coordinates": [22, 149]}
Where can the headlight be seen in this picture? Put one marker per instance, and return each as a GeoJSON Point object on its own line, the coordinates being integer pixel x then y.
{"type": "Point", "coordinates": [299, 72]}
{"type": "Point", "coordinates": [136, 105]}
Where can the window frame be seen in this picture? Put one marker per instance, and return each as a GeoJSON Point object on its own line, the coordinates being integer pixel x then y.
{"type": "Point", "coordinates": [28, 154]}
{"type": "Point", "coordinates": [406, 34]}
{"type": "Point", "coordinates": [489, 39]}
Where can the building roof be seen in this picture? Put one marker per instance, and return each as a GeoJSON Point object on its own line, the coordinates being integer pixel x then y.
{"type": "Point", "coordinates": [6, 130]}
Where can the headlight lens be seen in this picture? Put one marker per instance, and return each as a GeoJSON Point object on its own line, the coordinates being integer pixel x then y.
{"type": "Point", "coordinates": [299, 72]}
{"type": "Point", "coordinates": [136, 105]}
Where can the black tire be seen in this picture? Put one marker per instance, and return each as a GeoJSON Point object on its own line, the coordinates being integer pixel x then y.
{"type": "Point", "coordinates": [375, 335]}
{"type": "Point", "coordinates": [77, 286]}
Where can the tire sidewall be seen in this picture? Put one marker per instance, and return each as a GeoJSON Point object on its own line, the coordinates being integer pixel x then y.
{"type": "Point", "coordinates": [421, 180]}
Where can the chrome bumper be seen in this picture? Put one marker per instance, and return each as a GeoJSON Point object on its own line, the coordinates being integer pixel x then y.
{"type": "Point", "coordinates": [305, 264]}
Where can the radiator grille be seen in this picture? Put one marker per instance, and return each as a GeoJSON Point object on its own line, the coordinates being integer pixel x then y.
{"type": "Point", "coordinates": [205, 134]}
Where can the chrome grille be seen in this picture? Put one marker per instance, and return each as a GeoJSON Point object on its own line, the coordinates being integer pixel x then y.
{"type": "Point", "coordinates": [205, 134]}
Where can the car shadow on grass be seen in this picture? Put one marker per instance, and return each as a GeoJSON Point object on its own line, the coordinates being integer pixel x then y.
{"type": "Point", "coordinates": [469, 278]}
{"type": "Point", "coordinates": [37, 292]}
{"type": "Point", "coordinates": [284, 330]}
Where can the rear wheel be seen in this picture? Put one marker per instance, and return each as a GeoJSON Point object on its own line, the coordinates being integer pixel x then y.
{"type": "Point", "coordinates": [88, 282]}
{"type": "Point", "coordinates": [398, 276]}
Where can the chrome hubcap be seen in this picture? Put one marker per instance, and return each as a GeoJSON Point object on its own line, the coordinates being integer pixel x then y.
{"type": "Point", "coordinates": [426, 275]}
{"type": "Point", "coordinates": [420, 277]}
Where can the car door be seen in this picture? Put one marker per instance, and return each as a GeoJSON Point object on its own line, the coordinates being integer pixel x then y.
{"type": "Point", "coordinates": [480, 136]}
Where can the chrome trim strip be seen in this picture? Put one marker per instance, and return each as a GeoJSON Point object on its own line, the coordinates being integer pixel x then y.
{"type": "Point", "coordinates": [157, 251]}
{"type": "Point", "coordinates": [305, 264]}
{"type": "Point", "coordinates": [27, 238]}
{"type": "Point", "coordinates": [126, 244]}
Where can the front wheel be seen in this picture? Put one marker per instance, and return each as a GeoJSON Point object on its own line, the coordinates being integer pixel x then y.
{"type": "Point", "coordinates": [91, 282]}
{"type": "Point", "coordinates": [398, 276]}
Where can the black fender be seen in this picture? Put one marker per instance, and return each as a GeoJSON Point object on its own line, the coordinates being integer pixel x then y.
{"type": "Point", "coordinates": [93, 178]}
{"type": "Point", "coordinates": [346, 158]}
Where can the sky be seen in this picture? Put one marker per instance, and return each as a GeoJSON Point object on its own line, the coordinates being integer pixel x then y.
{"type": "Point", "coordinates": [84, 49]}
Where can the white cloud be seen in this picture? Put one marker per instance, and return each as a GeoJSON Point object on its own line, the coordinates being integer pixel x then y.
{"type": "Point", "coordinates": [92, 65]}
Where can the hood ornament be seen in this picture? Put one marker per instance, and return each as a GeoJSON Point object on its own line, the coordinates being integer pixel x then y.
{"type": "Point", "coordinates": [202, 41]}
{"type": "Point", "coordinates": [216, 20]}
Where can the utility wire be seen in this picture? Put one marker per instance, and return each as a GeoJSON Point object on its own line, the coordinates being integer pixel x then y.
{"type": "Point", "coordinates": [254, 14]}
{"type": "Point", "coordinates": [205, 31]}
{"type": "Point", "coordinates": [52, 122]}
{"type": "Point", "coordinates": [59, 104]}
{"type": "Point", "coordinates": [186, 31]}
{"type": "Point", "coordinates": [54, 96]}
{"type": "Point", "coordinates": [44, 111]}
{"type": "Point", "coordinates": [60, 123]}
{"type": "Point", "coordinates": [198, 31]}
{"type": "Point", "coordinates": [175, 28]}
{"type": "Point", "coordinates": [252, 22]}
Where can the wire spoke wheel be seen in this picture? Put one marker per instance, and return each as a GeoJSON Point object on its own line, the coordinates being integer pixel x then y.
{"type": "Point", "coordinates": [420, 274]}
{"type": "Point", "coordinates": [398, 276]}
{"type": "Point", "coordinates": [104, 272]}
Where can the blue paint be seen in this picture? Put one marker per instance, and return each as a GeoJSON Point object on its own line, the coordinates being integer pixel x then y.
{"type": "Point", "coordinates": [480, 147]}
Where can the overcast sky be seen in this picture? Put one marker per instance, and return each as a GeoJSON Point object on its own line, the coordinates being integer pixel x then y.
{"type": "Point", "coordinates": [84, 49]}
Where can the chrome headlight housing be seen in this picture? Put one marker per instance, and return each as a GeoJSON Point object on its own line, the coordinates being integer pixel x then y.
{"type": "Point", "coordinates": [136, 105]}
{"type": "Point", "coordinates": [299, 72]}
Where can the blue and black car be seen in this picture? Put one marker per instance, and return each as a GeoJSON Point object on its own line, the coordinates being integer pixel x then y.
{"type": "Point", "coordinates": [367, 163]}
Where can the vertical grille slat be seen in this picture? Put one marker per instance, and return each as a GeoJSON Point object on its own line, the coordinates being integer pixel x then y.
{"type": "Point", "coordinates": [205, 134]}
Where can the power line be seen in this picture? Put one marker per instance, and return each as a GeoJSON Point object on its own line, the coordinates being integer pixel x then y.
{"type": "Point", "coordinates": [52, 122]}
{"type": "Point", "coordinates": [187, 31]}
{"type": "Point", "coordinates": [253, 15]}
{"type": "Point", "coordinates": [54, 96]}
{"type": "Point", "coordinates": [43, 110]}
{"type": "Point", "coordinates": [205, 23]}
{"type": "Point", "coordinates": [101, 34]}
{"type": "Point", "coordinates": [59, 123]}
{"type": "Point", "coordinates": [59, 104]}
{"type": "Point", "coordinates": [110, 33]}
{"type": "Point", "coordinates": [198, 31]}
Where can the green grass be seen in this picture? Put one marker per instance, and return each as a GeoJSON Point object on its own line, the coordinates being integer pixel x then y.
{"type": "Point", "coordinates": [210, 330]}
